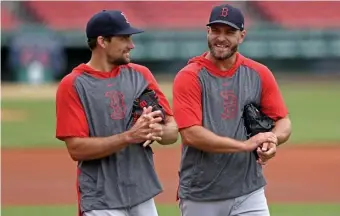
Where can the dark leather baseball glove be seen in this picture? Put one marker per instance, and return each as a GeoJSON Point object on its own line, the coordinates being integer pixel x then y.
{"type": "Point", "coordinates": [146, 99]}
{"type": "Point", "coordinates": [256, 122]}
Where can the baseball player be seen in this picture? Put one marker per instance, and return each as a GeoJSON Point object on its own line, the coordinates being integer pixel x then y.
{"type": "Point", "coordinates": [219, 174]}
{"type": "Point", "coordinates": [94, 103]}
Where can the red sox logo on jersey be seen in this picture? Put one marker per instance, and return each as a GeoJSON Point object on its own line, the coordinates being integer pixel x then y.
{"type": "Point", "coordinates": [224, 12]}
{"type": "Point", "coordinates": [229, 104]}
{"type": "Point", "coordinates": [117, 104]}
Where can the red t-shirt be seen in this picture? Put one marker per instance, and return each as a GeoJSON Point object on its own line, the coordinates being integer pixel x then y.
{"type": "Point", "coordinates": [187, 98]}
{"type": "Point", "coordinates": [71, 119]}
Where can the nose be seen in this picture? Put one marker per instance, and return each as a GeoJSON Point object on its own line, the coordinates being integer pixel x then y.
{"type": "Point", "coordinates": [221, 38]}
{"type": "Point", "coordinates": [131, 45]}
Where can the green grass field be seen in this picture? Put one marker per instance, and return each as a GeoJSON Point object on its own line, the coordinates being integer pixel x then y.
{"type": "Point", "coordinates": [172, 210]}
{"type": "Point", "coordinates": [313, 110]}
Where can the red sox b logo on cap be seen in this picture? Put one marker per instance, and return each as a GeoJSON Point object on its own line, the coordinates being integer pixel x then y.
{"type": "Point", "coordinates": [224, 12]}
{"type": "Point", "coordinates": [127, 21]}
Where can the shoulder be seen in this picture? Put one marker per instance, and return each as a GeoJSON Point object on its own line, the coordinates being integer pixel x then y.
{"type": "Point", "coordinates": [68, 80]}
{"type": "Point", "coordinates": [257, 67]}
{"type": "Point", "coordinates": [66, 90]}
{"type": "Point", "coordinates": [265, 74]}
{"type": "Point", "coordinates": [187, 79]}
{"type": "Point", "coordinates": [190, 71]}
{"type": "Point", "coordinates": [139, 68]}
{"type": "Point", "coordinates": [142, 70]}
{"type": "Point", "coordinates": [145, 73]}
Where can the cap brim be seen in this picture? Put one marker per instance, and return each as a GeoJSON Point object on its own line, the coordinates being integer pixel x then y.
{"type": "Point", "coordinates": [224, 22]}
{"type": "Point", "coordinates": [130, 31]}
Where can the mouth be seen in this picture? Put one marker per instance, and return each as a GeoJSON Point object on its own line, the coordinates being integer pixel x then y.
{"type": "Point", "coordinates": [221, 46]}
{"type": "Point", "coordinates": [127, 53]}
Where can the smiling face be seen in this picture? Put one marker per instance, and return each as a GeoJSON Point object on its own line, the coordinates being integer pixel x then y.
{"type": "Point", "coordinates": [117, 49]}
{"type": "Point", "coordinates": [223, 40]}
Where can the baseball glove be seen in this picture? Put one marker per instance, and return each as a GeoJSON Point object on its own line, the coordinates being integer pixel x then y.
{"type": "Point", "coordinates": [256, 122]}
{"type": "Point", "coordinates": [146, 99]}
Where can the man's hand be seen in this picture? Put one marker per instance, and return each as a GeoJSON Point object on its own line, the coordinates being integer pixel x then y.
{"type": "Point", "coordinates": [259, 139]}
{"type": "Point", "coordinates": [141, 130]}
{"type": "Point", "coordinates": [156, 131]}
{"type": "Point", "coordinates": [266, 151]}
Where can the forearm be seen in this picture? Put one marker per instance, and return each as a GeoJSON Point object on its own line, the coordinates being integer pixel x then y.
{"type": "Point", "coordinates": [282, 130]}
{"type": "Point", "coordinates": [90, 148]}
{"type": "Point", "coordinates": [170, 133]}
{"type": "Point", "coordinates": [205, 140]}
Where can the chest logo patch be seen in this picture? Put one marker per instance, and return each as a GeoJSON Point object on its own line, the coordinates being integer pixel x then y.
{"type": "Point", "coordinates": [229, 104]}
{"type": "Point", "coordinates": [117, 104]}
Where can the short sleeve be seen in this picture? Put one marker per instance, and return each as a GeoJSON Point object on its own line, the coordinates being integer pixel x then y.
{"type": "Point", "coordinates": [272, 103]}
{"type": "Point", "coordinates": [154, 86]}
{"type": "Point", "coordinates": [70, 116]}
{"type": "Point", "coordinates": [187, 102]}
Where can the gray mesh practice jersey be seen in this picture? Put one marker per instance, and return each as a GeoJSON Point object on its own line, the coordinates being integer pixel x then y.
{"type": "Point", "coordinates": [214, 99]}
{"type": "Point", "coordinates": [98, 104]}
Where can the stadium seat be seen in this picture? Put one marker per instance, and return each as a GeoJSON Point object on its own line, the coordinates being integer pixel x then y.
{"type": "Point", "coordinates": [302, 14]}
{"type": "Point", "coordinates": [161, 14]}
{"type": "Point", "coordinates": [73, 14]}
{"type": "Point", "coordinates": [8, 20]}
{"type": "Point", "coordinates": [177, 14]}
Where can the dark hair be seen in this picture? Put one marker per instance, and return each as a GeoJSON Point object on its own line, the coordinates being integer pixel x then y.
{"type": "Point", "coordinates": [92, 42]}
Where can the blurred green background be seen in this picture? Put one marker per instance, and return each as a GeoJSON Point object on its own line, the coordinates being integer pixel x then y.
{"type": "Point", "coordinates": [313, 109]}
{"type": "Point", "coordinates": [169, 210]}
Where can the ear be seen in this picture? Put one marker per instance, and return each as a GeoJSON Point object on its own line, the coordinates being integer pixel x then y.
{"type": "Point", "coordinates": [242, 36]}
{"type": "Point", "coordinates": [208, 31]}
{"type": "Point", "coordinates": [101, 42]}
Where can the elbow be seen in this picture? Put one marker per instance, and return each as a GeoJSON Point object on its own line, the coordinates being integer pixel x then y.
{"type": "Point", "coordinates": [188, 139]}
{"type": "Point", "coordinates": [193, 137]}
{"type": "Point", "coordinates": [168, 141]}
{"type": "Point", "coordinates": [283, 130]}
{"type": "Point", "coordinates": [74, 155]}
{"type": "Point", "coordinates": [287, 135]}
{"type": "Point", "coordinates": [288, 131]}
{"type": "Point", "coordinates": [171, 138]}
{"type": "Point", "coordinates": [73, 149]}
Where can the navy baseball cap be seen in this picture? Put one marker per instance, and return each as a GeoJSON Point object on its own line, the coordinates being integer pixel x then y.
{"type": "Point", "coordinates": [227, 14]}
{"type": "Point", "coordinates": [109, 23]}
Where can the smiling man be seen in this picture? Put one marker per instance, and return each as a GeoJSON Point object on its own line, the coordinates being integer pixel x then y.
{"type": "Point", "coordinates": [94, 105]}
{"type": "Point", "coordinates": [219, 174]}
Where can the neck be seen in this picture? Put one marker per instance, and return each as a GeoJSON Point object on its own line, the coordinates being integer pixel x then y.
{"type": "Point", "coordinates": [99, 63]}
{"type": "Point", "coordinates": [223, 65]}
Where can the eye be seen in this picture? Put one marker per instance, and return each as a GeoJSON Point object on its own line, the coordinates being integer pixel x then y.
{"type": "Point", "coordinates": [214, 30]}
{"type": "Point", "coordinates": [232, 30]}
{"type": "Point", "coordinates": [125, 37]}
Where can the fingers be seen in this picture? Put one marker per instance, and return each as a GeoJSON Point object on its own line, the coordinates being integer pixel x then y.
{"type": "Point", "coordinates": [153, 117]}
{"type": "Point", "coordinates": [151, 137]}
{"type": "Point", "coordinates": [155, 113]}
{"type": "Point", "coordinates": [261, 161]}
{"type": "Point", "coordinates": [146, 143]}
{"type": "Point", "coordinates": [155, 126]}
{"type": "Point", "coordinates": [156, 120]}
{"type": "Point", "coordinates": [147, 126]}
{"type": "Point", "coordinates": [264, 146]}
{"type": "Point", "coordinates": [267, 137]}
{"type": "Point", "coordinates": [147, 110]}
{"type": "Point", "coordinates": [269, 153]}
{"type": "Point", "coordinates": [264, 156]}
